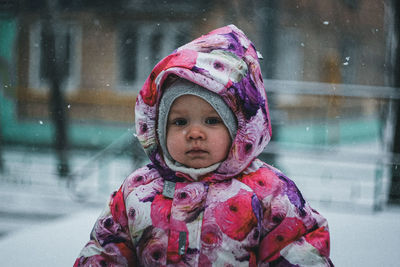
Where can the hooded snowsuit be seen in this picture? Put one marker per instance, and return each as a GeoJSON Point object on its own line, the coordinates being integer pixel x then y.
{"type": "Point", "coordinates": [245, 213]}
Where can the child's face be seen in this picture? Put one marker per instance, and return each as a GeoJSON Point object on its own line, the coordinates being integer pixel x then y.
{"type": "Point", "coordinates": [196, 135]}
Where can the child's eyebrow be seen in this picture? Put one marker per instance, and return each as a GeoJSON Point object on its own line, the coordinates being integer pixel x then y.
{"type": "Point", "coordinates": [176, 110]}
{"type": "Point", "coordinates": [212, 111]}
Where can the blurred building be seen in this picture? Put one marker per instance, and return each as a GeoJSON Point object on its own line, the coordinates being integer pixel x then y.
{"type": "Point", "coordinates": [107, 51]}
{"type": "Point", "coordinates": [321, 60]}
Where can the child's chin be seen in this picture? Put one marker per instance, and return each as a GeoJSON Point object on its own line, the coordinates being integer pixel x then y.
{"type": "Point", "coordinates": [199, 165]}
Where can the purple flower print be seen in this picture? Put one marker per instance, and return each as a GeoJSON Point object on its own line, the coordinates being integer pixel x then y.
{"type": "Point", "coordinates": [110, 255]}
{"type": "Point", "coordinates": [222, 66]}
{"type": "Point", "coordinates": [189, 202]}
{"type": "Point", "coordinates": [276, 211]}
{"type": "Point", "coordinates": [249, 97]}
{"type": "Point", "coordinates": [207, 43]}
{"type": "Point", "coordinates": [139, 177]}
{"type": "Point", "coordinates": [138, 215]}
{"type": "Point", "coordinates": [294, 194]}
{"type": "Point", "coordinates": [211, 236]}
{"type": "Point", "coordinates": [107, 231]}
{"type": "Point", "coordinates": [234, 44]}
{"type": "Point", "coordinates": [152, 247]}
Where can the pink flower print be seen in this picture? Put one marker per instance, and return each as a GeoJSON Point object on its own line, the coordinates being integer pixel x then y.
{"type": "Point", "coordinates": [276, 210]}
{"type": "Point", "coordinates": [216, 188]}
{"type": "Point", "coordinates": [253, 140]}
{"type": "Point", "coordinates": [264, 183]}
{"type": "Point", "coordinates": [117, 208]}
{"type": "Point", "coordinates": [144, 125]}
{"type": "Point", "coordinates": [224, 67]}
{"type": "Point", "coordinates": [245, 142]}
{"type": "Point", "coordinates": [161, 214]}
{"type": "Point", "coordinates": [183, 58]}
{"type": "Point", "coordinates": [148, 92]}
{"type": "Point", "coordinates": [139, 177]}
{"type": "Point", "coordinates": [139, 215]}
{"type": "Point", "coordinates": [147, 192]}
{"type": "Point", "coordinates": [235, 217]}
{"type": "Point", "coordinates": [254, 69]}
{"type": "Point", "coordinates": [204, 261]}
{"type": "Point", "coordinates": [173, 246]}
{"type": "Point", "coordinates": [161, 211]}
{"type": "Point", "coordinates": [320, 240]}
{"type": "Point", "coordinates": [134, 180]}
{"type": "Point", "coordinates": [110, 255]}
{"type": "Point", "coordinates": [107, 230]}
{"type": "Point", "coordinates": [288, 231]}
{"type": "Point", "coordinates": [152, 247]}
{"type": "Point", "coordinates": [211, 237]}
{"type": "Point", "coordinates": [222, 191]}
{"type": "Point", "coordinates": [206, 43]}
{"type": "Point", "coordinates": [127, 253]}
{"type": "Point", "coordinates": [189, 202]}
{"type": "Point", "coordinates": [253, 259]}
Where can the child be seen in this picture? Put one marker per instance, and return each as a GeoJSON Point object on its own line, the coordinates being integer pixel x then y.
{"type": "Point", "coordinates": [205, 199]}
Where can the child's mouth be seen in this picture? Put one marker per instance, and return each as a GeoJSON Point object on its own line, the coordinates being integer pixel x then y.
{"type": "Point", "coordinates": [196, 152]}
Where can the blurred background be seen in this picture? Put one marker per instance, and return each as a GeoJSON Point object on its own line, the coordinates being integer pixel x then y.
{"type": "Point", "coordinates": [70, 71]}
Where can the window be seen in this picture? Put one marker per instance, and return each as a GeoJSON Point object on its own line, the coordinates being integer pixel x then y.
{"type": "Point", "coordinates": [67, 43]}
{"type": "Point", "coordinates": [128, 58]}
{"type": "Point", "coordinates": [142, 45]}
{"type": "Point", "coordinates": [291, 57]}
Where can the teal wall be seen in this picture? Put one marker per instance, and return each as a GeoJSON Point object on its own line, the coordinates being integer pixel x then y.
{"type": "Point", "coordinates": [92, 134]}
{"type": "Point", "coordinates": [346, 130]}
{"type": "Point", "coordinates": [8, 28]}
{"type": "Point", "coordinates": [40, 132]}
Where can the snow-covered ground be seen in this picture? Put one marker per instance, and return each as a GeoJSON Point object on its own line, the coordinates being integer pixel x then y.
{"type": "Point", "coordinates": [43, 224]}
{"type": "Point", "coordinates": [357, 239]}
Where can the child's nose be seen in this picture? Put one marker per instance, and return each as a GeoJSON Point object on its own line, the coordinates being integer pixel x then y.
{"type": "Point", "coordinates": [196, 132]}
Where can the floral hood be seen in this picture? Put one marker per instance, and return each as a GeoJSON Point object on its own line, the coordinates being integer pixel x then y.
{"type": "Point", "coordinates": [223, 61]}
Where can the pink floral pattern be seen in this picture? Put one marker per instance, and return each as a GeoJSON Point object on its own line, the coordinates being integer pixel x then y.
{"type": "Point", "coordinates": [161, 212]}
{"type": "Point", "coordinates": [245, 213]}
{"type": "Point", "coordinates": [263, 183]}
{"type": "Point", "coordinates": [189, 202]}
{"type": "Point", "coordinates": [152, 247]}
{"type": "Point", "coordinates": [235, 217]}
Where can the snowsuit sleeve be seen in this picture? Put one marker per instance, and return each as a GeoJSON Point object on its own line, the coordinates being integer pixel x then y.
{"type": "Point", "coordinates": [110, 243]}
{"type": "Point", "coordinates": [292, 233]}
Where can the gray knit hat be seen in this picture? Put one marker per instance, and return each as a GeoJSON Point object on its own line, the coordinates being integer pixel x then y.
{"type": "Point", "coordinates": [182, 87]}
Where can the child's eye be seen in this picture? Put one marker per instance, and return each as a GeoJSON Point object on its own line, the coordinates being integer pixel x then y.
{"type": "Point", "coordinates": [213, 120]}
{"type": "Point", "coordinates": [179, 122]}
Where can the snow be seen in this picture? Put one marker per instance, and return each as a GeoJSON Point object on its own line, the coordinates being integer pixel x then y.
{"type": "Point", "coordinates": [365, 239]}
{"type": "Point", "coordinates": [55, 243]}
{"type": "Point", "coordinates": [359, 236]}
{"type": "Point", "coordinates": [357, 239]}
